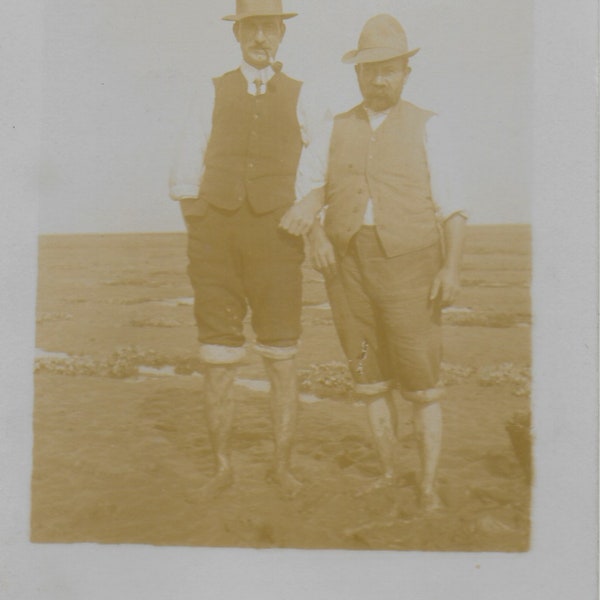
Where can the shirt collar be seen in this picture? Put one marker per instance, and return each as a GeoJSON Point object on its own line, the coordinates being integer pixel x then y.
{"type": "Point", "coordinates": [252, 73]}
{"type": "Point", "coordinates": [377, 115]}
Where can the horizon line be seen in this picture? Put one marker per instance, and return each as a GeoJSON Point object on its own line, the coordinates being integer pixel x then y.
{"type": "Point", "coordinates": [178, 231]}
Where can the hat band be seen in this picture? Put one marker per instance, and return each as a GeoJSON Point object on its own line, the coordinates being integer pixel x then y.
{"type": "Point", "coordinates": [376, 54]}
{"type": "Point", "coordinates": [393, 48]}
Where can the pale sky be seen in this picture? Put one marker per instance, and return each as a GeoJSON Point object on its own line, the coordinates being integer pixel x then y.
{"type": "Point", "coordinates": [119, 75]}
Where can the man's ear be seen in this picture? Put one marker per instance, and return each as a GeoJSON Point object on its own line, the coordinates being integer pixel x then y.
{"type": "Point", "coordinates": [283, 29]}
{"type": "Point", "coordinates": [236, 30]}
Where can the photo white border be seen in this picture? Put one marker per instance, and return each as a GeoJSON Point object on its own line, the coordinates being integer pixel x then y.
{"type": "Point", "coordinates": [563, 560]}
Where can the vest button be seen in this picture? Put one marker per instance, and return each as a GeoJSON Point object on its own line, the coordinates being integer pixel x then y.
{"type": "Point", "coordinates": [255, 117]}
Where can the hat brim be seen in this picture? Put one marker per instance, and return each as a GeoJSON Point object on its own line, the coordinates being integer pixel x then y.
{"type": "Point", "coordinates": [242, 16]}
{"type": "Point", "coordinates": [369, 55]}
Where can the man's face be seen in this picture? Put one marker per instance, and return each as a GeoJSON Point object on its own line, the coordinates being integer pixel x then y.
{"type": "Point", "coordinates": [381, 83]}
{"type": "Point", "coordinates": [259, 39]}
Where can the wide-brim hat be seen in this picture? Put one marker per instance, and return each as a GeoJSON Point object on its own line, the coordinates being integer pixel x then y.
{"type": "Point", "coordinates": [382, 38]}
{"type": "Point", "coordinates": [258, 8]}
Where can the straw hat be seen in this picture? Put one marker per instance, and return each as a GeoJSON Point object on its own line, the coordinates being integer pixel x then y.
{"type": "Point", "coordinates": [258, 8]}
{"type": "Point", "coordinates": [382, 38]}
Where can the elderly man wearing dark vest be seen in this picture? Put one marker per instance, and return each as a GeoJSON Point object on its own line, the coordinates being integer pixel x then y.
{"type": "Point", "coordinates": [234, 177]}
{"type": "Point", "coordinates": [379, 174]}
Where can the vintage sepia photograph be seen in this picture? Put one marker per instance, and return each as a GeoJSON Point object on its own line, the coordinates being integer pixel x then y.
{"type": "Point", "coordinates": [299, 300]}
{"type": "Point", "coordinates": [284, 276]}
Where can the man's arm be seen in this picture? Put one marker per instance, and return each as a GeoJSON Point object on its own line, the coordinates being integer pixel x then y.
{"type": "Point", "coordinates": [446, 187]}
{"type": "Point", "coordinates": [447, 194]}
{"type": "Point", "coordinates": [446, 284]}
{"type": "Point", "coordinates": [321, 250]}
{"type": "Point", "coordinates": [188, 164]}
{"type": "Point", "coordinates": [316, 126]}
{"type": "Point", "coordinates": [299, 219]}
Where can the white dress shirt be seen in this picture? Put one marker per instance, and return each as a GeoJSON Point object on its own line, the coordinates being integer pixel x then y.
{"type": "Point", "coordinates": [312, 171]}
{"type": "Point", "coordinates": [188, 167]}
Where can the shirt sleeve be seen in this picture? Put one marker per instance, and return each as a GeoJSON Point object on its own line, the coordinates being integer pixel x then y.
{"type": "Point", "coordinates": [187, 168]}
{"type": "Point", "coordinates": [445, 177]}
{"type": "Point", "coordinates": [316, 124]}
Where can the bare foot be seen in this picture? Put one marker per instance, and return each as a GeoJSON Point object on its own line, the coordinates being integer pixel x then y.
{"type": "Point", "coordinates": [286, 481]}
{"type": "Point", "coordinates": [222, 480]}
{"type": "Point", "coordinates": [380, 483]}
{"type": "Point", "coordinates": [430, 502]}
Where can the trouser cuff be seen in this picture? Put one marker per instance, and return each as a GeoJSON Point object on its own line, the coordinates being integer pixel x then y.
{"type": "Point", "coordinates": [373, 389]}
{"type": "Point", "coordinates": [424, 396]}
{"type": "Point", "coordinates": [275, 352]}
{"type": "Point", "coordinates": [221, 355]}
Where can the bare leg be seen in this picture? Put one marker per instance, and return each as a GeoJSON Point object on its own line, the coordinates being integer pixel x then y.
{"type": "Point", "coordinates": [428, 431]}
{"type": "Point", "coordinates": [284, 407]}
{"type": "Point", "coordinates": [219, 413]}
{"type": "Point", "coordinates": [382, 417]}
{"type": "Point", "coordinates": [397, 403]}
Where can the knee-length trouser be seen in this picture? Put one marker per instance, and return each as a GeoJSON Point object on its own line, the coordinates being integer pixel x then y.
{"type": "Point", "coordinates": [389, 329]}
{"type": "Point", "coordinates": [239, 259]}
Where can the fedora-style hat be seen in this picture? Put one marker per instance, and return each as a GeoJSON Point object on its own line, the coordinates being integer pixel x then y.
{"type": "Point", "coordinates": [258, 8]}
{"type": "Point", "coordinates": [382, 38]}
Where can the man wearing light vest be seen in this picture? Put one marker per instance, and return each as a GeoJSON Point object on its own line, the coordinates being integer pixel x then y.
{"type": "Point", "coordinates": [391, 260]}
{"type": "Point", "coordinates": [234, 178]}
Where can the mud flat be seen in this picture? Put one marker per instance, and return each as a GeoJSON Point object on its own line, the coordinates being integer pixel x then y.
{"type": "Point", "coordinates": [121, 447]}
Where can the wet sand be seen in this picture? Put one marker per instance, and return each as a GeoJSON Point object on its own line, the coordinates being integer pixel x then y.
{"type": "Point", "coordinates": [120, 452]}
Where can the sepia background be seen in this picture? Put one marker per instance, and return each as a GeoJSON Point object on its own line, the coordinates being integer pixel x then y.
{"type": "Point", "coordinates": [553, 528]}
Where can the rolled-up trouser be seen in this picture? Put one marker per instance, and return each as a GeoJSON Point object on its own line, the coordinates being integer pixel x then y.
{"type": "Point", "coordinates": [389, 329]}
{"type": "Point", "coordinates": [238, 258]}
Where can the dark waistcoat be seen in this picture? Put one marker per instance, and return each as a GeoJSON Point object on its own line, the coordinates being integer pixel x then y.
{"type": "Point", "coordinates": [388, 165]}
{"type": "Point", "coordinates": [254, 146]}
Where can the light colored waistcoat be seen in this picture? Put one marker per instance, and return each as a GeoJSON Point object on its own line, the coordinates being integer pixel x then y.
{"type": "Point", "coordinates": [388, 165]}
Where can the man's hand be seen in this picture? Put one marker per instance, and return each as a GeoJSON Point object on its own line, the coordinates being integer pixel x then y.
{"type": "Point", "coordinates": [446, 286]}
{"type": "Point", "coordinates": [299, 218]}
{"type": "Point", "coordinates": [321, 251]}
